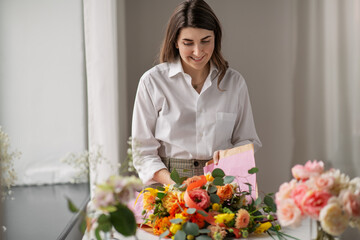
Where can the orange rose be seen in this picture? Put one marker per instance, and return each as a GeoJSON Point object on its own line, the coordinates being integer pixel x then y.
{"type": "Point", "coordinates": [225, 192]}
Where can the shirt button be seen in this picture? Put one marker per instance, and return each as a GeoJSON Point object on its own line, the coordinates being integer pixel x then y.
{"type": "Point", "coordinates": [196, 163]}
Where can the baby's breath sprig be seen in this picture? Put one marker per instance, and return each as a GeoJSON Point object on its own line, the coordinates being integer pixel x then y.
{"type": "Point", "coordinates": [7, 157]}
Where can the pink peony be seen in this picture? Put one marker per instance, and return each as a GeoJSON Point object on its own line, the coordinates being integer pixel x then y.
{"type": "Point", "coordinates": [351, 202]}
{"type": "Point", "coordinates": [288, 213]}
{"type": "Point", "coordinates": [200, 197]}
{"type": "Point", "coordinates": [315, 168]}
{"type": "Point", "coordinates": [314, 201]}
{"type": "Point", "coordinates": [298, 194]}
{"type": "Point", "coordinates": [300, 173]}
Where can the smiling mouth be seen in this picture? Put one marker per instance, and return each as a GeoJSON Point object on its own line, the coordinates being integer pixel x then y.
{"type": "Point", "coordinates": [197, 59]}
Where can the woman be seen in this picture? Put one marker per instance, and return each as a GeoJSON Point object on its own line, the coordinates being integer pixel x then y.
{"type": "Point", "coordinates": [192, 104]}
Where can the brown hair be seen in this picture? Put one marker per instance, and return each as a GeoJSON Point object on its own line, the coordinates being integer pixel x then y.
{"type": "Point", "coordinates": [196, 14]}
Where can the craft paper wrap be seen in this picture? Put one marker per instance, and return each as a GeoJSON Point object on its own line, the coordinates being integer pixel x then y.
{"type": "Point", "coordinates": [237, 162]}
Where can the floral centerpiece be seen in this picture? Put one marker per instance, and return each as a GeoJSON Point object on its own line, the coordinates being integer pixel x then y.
{"type": "Point", "coordinates": [329, 197]}
{"type": "Point", "coordinates": [210, 206]}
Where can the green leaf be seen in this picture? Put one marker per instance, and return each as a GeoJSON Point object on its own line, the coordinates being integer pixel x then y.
{"type": "Point", "coordinates": [176, 220]}
{"type": "Point", "coordinates": [174, 175]}
{"type": "Point", "coordinates": [180, 235]}
{"type": "Point", "coordinates": [217, 172]}
{"type": "Point", "coordinates": [250, 187]}
{"type": "Point", "coordinates": [191, 228]}
{"type": "Point", "coordinates": [103, 218]}
{"type": "Point", "coordinates": [202, 213]}
{"type": "Point", "coordinates": [258, 201]}
{"type": "Point", "coordinates": [212, 189]}
{"type": "Point", "coordinates": [164, 234]}
{"type": "Point", "coordinates": [105, 227]}
{"type": "Point", "coordinates": [160, 189]}
{"type": "Point", "coordinates": [83, 227]}
{"type": "Point", "coordinates": [269, 201]}
{"type": "Point", "coordinates": [191, 210]}
{"type": "Point", "coordinates": [218, 181]}
{"type": "Point", "coordinates": [228, 179]}
{"type": "Point", "coordinates": [97, 233]}
{"type": "Point", "coordinates": [214, 198]}
{"type": "Point", "coordinates": [71, 206]}
{"type": "Point", "coordinates": [123, 220]}
{"type": "Point", "coordinates": [203, 237]}
{"type": "Point", "coordinates": [161, 195]}
{"type": "Point", "coordinates": [205, 230]}
{"type": "Point", "coordinates": [253, 170]}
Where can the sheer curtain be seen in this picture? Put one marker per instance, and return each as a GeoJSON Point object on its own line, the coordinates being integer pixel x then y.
{"type": "Point", "coordinates": [105, 86]}
{"type": "Point", "coordinates": [327, 84]}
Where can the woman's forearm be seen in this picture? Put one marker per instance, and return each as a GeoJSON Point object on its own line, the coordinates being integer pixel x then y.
{"type": "Point", "coordinates": [163, 176]}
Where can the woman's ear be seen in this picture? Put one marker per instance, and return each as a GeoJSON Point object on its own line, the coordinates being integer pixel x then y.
{"type": "Point", "coordinates": [176, 45]}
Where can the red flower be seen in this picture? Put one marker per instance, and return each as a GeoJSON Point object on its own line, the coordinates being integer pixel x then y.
{"type": "Point", "coordinates": [200, 197]}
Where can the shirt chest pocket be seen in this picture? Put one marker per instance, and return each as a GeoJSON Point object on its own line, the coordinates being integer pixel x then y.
{"type": "Point", "coordinates": [224, 128]}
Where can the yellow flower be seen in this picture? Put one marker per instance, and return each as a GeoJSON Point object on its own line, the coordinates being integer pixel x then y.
{"type": "Point", "coordinates": [263, 227]}
{"type": "Point", "coordinates": [179, 215]}
{"type": "Point", "coordinates": [224, 217]}
{"type": "Point", "coordinates": [174, 228]}
{"type": "Point", "coordinates": [209, 178]}
{"type": "Point", "coordinates": [153, 191]}
{"type": "Point", "coordinates": [216, 207]}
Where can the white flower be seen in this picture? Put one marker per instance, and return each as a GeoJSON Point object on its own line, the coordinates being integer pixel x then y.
{"type": "Point", "coordinates": [334, 220]}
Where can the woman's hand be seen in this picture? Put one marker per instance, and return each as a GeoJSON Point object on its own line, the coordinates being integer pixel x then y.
{"type": "Point", "coordinates": [163, 176]}
{"type": "Point", "coordinates": [216, 157]}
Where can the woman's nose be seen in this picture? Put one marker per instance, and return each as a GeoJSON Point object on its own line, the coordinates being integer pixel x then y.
{"type": "Point", "coordinates": [197, 50]}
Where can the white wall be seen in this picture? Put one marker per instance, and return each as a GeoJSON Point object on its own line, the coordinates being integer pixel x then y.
{"type": "Point", "coordinates": [42, 85]}
{"type": "Point", "coordinates": [258, 41]}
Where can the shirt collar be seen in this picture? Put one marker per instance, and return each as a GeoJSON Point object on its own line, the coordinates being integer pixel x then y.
{"type": "Point", "coordinates": [176, 68]}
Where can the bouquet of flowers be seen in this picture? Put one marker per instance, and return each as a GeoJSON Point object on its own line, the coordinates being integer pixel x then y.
{"type": "Point", "coordinates": [109, 210]}
{"type": "Point", "coordinates": [210, 206]}
{"type": "Point", "coordinates": [329, 197]}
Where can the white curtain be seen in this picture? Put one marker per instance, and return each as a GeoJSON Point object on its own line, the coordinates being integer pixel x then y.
{"type": "Point", "coordinates": [106, 87]}
{"type": "Point", "coordinates": [327, 84]}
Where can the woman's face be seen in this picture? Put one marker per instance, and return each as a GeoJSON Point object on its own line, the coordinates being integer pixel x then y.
{"type": "Point", "coordinates": [196, 46]}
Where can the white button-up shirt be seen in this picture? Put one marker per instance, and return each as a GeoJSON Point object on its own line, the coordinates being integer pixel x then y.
{"type": "Point", "coordinates": [171, 119]}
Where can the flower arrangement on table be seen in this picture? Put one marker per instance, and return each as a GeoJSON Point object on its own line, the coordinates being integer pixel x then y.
{"type": "Point", "coordinates": [109, 210]}
{"type": "Point", "coordinates": [210, 206]}
{"type": "Point", "coordinates": [329, 197]}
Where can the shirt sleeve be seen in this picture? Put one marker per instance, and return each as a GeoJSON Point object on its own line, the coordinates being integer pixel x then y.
{"type": "Point", "coordinates": [244, 131]}
{"type": "Point", "coordinates": [145, 147]}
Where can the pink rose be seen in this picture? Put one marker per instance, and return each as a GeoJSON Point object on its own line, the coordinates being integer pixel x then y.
{"type": "Point", "coordinates": [200, 197]}
{"type": "Point", "coordinates": [299, 172]}
{"type": "Point", "coordinates": [298, 194]}
{"type": "Point", "coordinates": [351, 203]}
{"type": "Point", "coordinates": [324, 182]}
{"type": "Point", "coordinates": [288, 213]}
{"type": "Point", "coordinates": [285, 191]}
{"type": "Point", "coordinates": [315, 168]}
{"type": "Point", "coordinates": [314, 201]}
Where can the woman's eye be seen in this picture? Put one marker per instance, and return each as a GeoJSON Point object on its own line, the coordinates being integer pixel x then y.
{"type": "Point", "coordinates": [187, 43]}
{"type": "Point", "coordinates": [205, 41]}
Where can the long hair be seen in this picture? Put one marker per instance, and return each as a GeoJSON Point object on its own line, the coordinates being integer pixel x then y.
{"type": "Point", "coordinates": [196, 14]}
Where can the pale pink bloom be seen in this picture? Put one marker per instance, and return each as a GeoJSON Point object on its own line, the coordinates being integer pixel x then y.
{"type": "Point", "coordinates": [333, 219]}
{"type": "Point", "coordinates": [285, 191]}
{"type": "Point", "coordinates": [298, 194]}
{"type": "Point", "coordinates": [315, 168]}
{"type": "Point", "coordinates": [351, 202]}
{"type": "Point", "coordinates": [200, 197]}
{"type": "Point", "coordinates": [342, 181]}
{"type": "Point", "coordinates": [288, 213]}
{"type": "Point", "coordinates": [324, 182]}
{"type": "Point", "coordinates": [314, 201]}
{"type": "Point", "coordinates": [299, 172]}
{"type": "Point", "coordinates": [103, 198]}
